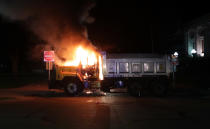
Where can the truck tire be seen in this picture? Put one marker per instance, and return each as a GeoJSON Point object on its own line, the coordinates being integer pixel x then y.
{"type": "Point", "coordinates": [72, 87]}
{"type": "Point", "coordinates": [159, 89]}
{"type": "Point", "coordinates": [135, 89]}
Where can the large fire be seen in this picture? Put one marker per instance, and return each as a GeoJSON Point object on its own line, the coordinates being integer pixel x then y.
{"type": "Point", "coordinates": [86, 57]}
{"type": "Point", "coordinates": [101, 77]}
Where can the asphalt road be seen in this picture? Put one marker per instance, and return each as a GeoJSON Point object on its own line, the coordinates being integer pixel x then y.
{"type": "Point", "coordinates": [34, 107]}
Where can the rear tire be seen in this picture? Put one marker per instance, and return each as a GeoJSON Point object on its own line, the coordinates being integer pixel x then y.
{"type": "Point", "coordinates": [135, 89]}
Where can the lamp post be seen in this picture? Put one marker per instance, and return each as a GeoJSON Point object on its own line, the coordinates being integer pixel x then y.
{"type": "Point", "coordinates": [174, 63]}
{"type": "Point", "coordinates": [193, 52]}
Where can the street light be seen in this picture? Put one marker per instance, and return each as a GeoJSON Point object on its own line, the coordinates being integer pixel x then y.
{"type": "Point", "coordinates": [176, 54]}
{"type": "Point", "coordinates": [193, 52]}
{"type": "Point", "coordinates": [174, 59]}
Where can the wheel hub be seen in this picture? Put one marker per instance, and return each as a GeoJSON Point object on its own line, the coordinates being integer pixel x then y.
{"type": "Point", "coordinates": [72, 88]}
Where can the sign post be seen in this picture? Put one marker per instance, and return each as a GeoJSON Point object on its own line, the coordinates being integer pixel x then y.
{"type": "Point", "coordinates": [49, 58]}
{"type": "Point", "coordinates": [49, 67]}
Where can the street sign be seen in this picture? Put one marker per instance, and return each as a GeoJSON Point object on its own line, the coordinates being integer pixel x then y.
{"type": "Point", "coordinates": [48, 56]}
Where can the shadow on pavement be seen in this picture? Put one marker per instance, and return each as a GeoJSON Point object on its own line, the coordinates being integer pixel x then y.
{"type": "Point", "coordinates": [52, 94]}
{"type": "Point", "coordinates": [46, 94]}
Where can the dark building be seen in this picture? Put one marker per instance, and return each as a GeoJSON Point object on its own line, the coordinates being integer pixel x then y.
{"type": "Point", "coordinates": [197, 36]}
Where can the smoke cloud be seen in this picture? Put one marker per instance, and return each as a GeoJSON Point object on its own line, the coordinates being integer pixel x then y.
{"type": "Point", "coordinates": [61, 24]}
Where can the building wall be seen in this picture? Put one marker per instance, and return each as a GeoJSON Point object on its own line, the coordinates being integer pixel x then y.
{"type": "Point", "coordinates": [190, 41]}
{"type": "Point", "coordinates": [197, 37]}
{"type": "Point", "coordinates": [207, 43]}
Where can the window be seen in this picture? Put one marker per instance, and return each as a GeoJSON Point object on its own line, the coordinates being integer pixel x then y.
{"type": "Point", "coordinates": [149, 67]}
{"type": "Point", "coordinates": [111, 67]}
{"type": "Point", "coordinates": [124, 67]}
{"type": "Point", "coordinates": [161, 67]}
{"type": "Point", "coordinates": [136, 67]}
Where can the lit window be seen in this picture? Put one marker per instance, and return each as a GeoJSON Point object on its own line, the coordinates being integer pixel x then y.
{"type": "Point", "coordinates": [149, 67]}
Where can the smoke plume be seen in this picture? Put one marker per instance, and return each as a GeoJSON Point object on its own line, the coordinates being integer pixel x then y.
{"type": "Point", "coordinates": [60, 23]}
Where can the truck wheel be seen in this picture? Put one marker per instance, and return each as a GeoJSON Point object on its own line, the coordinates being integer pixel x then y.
{"type": "Point", "coordinates": [159, 89]}
{"type": "Point", "coordinates": [135, 89]}
{"type": "Point", "coordinates": [72, 88]}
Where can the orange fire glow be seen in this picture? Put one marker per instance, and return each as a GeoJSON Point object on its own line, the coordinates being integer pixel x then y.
{"type": "Point", "coordinates": [83, 56]}
{"type": "Point", "coordinates": [87, 57]}
{"type": "Point", "coordinates": [101, 77]}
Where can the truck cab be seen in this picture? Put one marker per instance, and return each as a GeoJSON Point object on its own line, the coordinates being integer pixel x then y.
{"type": "Point", "coordinates": [74, 79]}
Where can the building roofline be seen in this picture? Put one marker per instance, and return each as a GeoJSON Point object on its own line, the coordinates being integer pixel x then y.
{"type": "Point", "coordinates": [204, 19]}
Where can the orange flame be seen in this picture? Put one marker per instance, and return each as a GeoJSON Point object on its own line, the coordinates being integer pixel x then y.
{"type": "Point", "coordinates": [85, 57]}
{"type": "Point", "coordinates": [101, 77]}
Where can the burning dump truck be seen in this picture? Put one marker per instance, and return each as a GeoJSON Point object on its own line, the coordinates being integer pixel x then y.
{"type": "Point", "coordinates": [95, 70]}
{"type": "Point", "coordinates": [83, 72]}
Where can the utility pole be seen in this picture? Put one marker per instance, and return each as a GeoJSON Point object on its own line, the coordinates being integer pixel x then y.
{"type": "Point", "coordinates": [151, 36]}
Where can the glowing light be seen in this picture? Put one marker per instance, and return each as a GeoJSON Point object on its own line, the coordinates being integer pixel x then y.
{"type": "Point", "coordinates": [92, 59]}
{"type": "Point", "coordinates": [83, 56]}
{"type": "Point", "coordinates": [176, 54]}
{"type": "Point", "coordinates": [70, 63]}
{"type": "Point", "coordinates": [101, 77]}
{"type": "Point", "coordinates": [88, 92]}
{"type": "Point", "coordinates": [193, 51]}
{"type": "Point", "coordinates": [202, 54]}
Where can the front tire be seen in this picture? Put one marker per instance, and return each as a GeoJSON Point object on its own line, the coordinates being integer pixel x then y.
{"type": "Point", "coordinates": [72, 87]}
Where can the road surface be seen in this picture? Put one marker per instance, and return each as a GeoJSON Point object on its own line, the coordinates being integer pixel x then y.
{"type": "Point", "coordinates": [34, 107]}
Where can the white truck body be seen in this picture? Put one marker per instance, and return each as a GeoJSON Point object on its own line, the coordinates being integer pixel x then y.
{"type": "Point", "coordinates": [136, 65]}
{"type": "Point", "coordinates": [136, 72]}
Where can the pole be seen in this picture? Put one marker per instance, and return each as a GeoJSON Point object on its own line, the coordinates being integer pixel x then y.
{"type": "Point", "coordinates": [173, 75]}
{"type": "Point", "coordinates": [49, 70]}
{"type": "Point", "coordinates": [151, 36]}
{"type": "Point", "coordinates": [173, 71]}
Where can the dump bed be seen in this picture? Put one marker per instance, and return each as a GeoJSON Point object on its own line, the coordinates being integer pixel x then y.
{"type": "Point", "coordinates": [135, 65]}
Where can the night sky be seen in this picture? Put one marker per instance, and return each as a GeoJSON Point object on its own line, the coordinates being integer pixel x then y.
{"type": "Point", "coordinates": [133, 26]}
{"type": "Point", "coordinates": [120, 26]}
